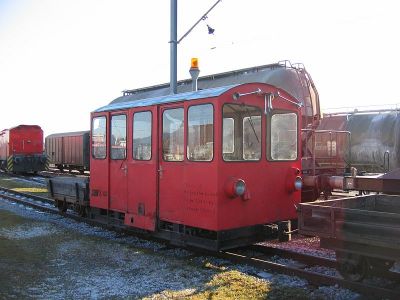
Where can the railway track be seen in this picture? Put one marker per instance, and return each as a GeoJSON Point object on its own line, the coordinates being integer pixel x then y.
{"type": "Point", "coordinates": [51, 172]}
{"type": "Point", "coordinates": [258, 256]}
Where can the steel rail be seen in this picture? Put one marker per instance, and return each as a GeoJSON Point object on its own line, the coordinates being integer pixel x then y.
{"type": "Point", "coordinates": [310, 260]}
{"type": "Point", "coordinates": [312, 277]}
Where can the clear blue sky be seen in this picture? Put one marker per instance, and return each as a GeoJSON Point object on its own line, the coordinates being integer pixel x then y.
{"type": "Point", "coordinates": [61, 59]}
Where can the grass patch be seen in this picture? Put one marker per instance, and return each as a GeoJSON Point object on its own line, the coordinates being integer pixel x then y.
{"type": "Point", "coordinates": [224, 285]}
{"type": "Point", "coordinates": [23, 187]}
{"type": "Point", "coordinates": [30, 190]}
{"type": "Point", "coordinates": [235, 285]}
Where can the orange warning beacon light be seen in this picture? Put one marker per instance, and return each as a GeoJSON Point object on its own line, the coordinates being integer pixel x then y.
{"type": "Point", "coordinates": [194, 64]}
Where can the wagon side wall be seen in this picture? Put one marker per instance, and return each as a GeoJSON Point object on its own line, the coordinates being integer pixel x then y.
{"type": "Point", "coordinates": [372, 220]}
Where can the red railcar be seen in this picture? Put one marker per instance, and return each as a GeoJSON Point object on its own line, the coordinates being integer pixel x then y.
{"type": "Point", "coordinates": [21, 149]}
{"type": "Point", "coordinates": [69, 150]}
{"type": "Point", "coordinates": [210, 168]}
{"type": "Point", "coordinates": [215, 168]}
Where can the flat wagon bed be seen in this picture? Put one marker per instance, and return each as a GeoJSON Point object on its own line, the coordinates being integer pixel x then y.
{"type": "Point", "coordinates": [364, 231]}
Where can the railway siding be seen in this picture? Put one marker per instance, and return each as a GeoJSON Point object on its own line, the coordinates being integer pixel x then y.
{"type": "Point", "coordinates": [62, 250]}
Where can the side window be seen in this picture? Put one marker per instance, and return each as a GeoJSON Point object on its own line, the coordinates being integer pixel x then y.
{"type": "Point", "coordinates": [99, 137]}
{"type": "Point", "coordinates": [228, 135]}
{"type": "Point", "coordinates": [118, 137]}
{"type": "Point", "coordinates": [251, 138]}
{"type": "Point", "coordinates": [200, 132]}
{"type": "Point", "coordinates": [172, 139]}
{"type": "Point", "coordinates": [241, 129]}
{"type": "Point", "coordinates": [284, 136]}
{"type": "Point", "coordinates": [142, 136]}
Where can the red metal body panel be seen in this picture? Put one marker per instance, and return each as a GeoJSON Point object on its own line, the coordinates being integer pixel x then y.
{"type": "Point", "coordinates": [23, 139]}
{"type": "Point", "coordinates": [193, 192]}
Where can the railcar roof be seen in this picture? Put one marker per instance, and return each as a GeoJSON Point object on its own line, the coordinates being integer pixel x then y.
{"type": "Point", "coordinates": [188, 96]}
{"type": "Point", "coordinates": [61, 134]}
{"type": "Point", "coordinates": [22, 126]}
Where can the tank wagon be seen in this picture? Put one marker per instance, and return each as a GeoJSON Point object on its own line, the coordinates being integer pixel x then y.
{"type": "Point", "coordinates": [69, 150]}
{"type": "Point", "coordinates": [21, 149]}
{"type": "Point", "coordinates": [322, 151]}
{"type": "Point", "coordinates": [375, 139]}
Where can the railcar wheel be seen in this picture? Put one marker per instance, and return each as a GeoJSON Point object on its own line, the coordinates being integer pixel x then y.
{"type": "Point", "coordinates": [82, 211]}
{"type": "Point", "coordinates": [378, 264]}
{"type": "Point", "coordinates": [360, 193]}
{"type": "Point", "coordinates": [352, 266]}
{"type": "Point", "coordinates": [62, 206]}
{"type": "Point", "coordinates": [327, 193]}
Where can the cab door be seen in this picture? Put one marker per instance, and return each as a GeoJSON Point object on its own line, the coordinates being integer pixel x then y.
{"type": "Point", "coordinates": [142, 169]}
{"type": "Point", "coordinates": [171, 163]}
{"type": "Point", "coordinates": [99, 161]}
{"type": "Point", "coordinates": [118, 161]}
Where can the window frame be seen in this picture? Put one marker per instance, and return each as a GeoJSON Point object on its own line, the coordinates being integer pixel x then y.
{"type": "Point", "coordinates": [151, 135]}
{"type": "Point", "coordinates": [187, 132]}
{"type": "Point", "coordinates": [126, 135]}
{"type": "Point", "coordinates": [91, 138]}
{"type": "Point", "coordinates": [162, 133]}
{"type": "Point", "coordinates": [269, 136]}
{"type": "Point", "coordinates": [234, 130]}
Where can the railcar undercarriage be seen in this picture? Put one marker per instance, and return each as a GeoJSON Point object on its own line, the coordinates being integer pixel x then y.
{"type": "Point", "coordinates": [73, 193]}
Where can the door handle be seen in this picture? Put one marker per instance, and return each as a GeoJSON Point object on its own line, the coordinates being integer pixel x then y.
{"type": "Point", "coordinates": [125, 169]}
{"type": "Point", "coordinates": [160, 171]}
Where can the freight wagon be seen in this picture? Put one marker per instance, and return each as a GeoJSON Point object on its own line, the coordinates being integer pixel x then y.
{"type": "Point", "coordinates": [364, 231]}
{"type": "Point", "coordinates": [69, 150]}
{"type": "Point", "coordinates": [21, 149]}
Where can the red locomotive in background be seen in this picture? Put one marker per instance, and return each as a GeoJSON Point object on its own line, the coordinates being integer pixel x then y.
{"type": "Point", "coordinates": [21, 149]}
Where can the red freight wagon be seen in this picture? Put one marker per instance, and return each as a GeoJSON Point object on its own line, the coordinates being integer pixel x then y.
{"type": "Point", "coordinates": [69, 150]}
{"type": "Point", "coordinates": [210, 168]}
{"type": "Point", "coordinates": [21, 149]}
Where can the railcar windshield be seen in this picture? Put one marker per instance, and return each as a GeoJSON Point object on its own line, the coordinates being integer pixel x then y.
{"type": "Point", "coordinates": [241, 132]}
{"type": "Point", "coordinates": [284, 136]}
{"type": "Point", "coordinates": [99, 137]}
